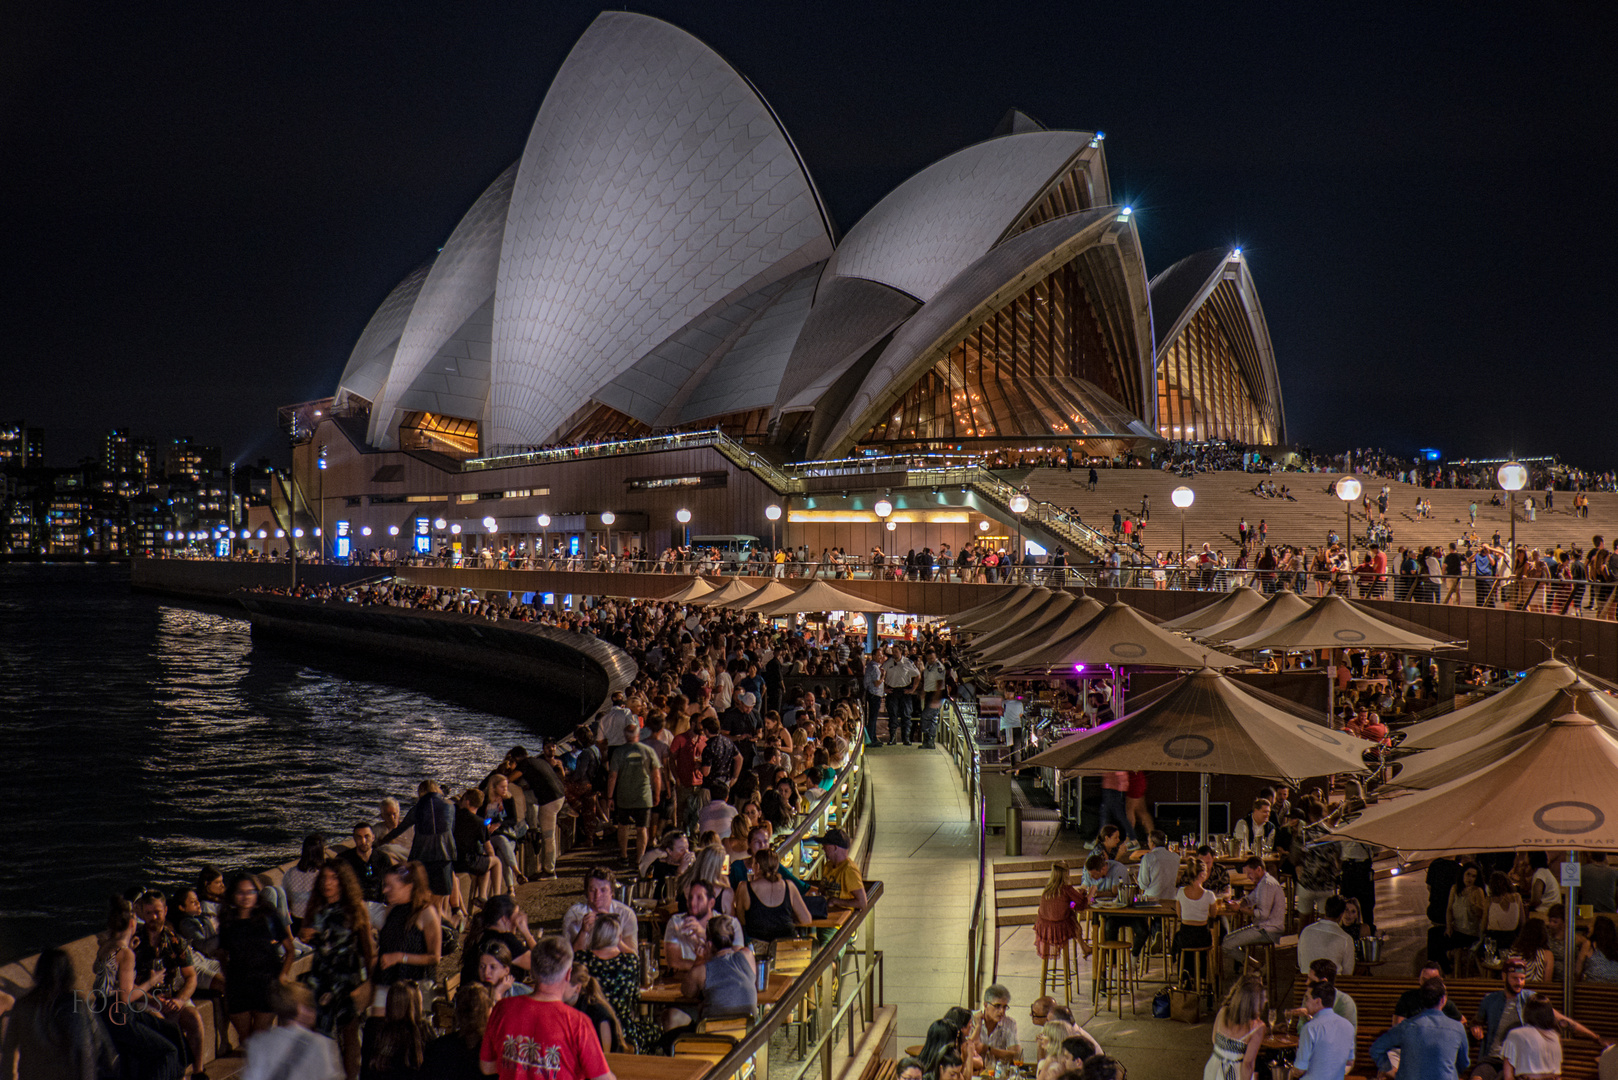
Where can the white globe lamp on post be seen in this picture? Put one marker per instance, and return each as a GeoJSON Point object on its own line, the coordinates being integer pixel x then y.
{"type": "Point", "coordinates": [1348, 489]}
{"type": "Point", "coordinates": [1183, 497]}
{"type": "Point", "coordinates": [1513, 477]}
{"type": "Point", "coordinates": [607, 518]}
{"type": "Point", "coordinates": [683, 516]}
{"type": "Point", "coordinates": [1019, 505]}
{"type": "Point", "coordinates": [773, 512]}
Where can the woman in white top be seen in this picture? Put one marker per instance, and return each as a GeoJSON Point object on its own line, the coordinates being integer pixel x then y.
{"type": "Point", "coordinates": [1195, 903]}
{"type": "Point", "coordinates": [1504, 916]}
{"type": "Point", "coordinates": [1238, 1032]}
{"type": "Point", "coordinates": [1533, 1051]}
{"type": "Point", "coordinates": [1545, 889]}
{"type": "Point", "coordinates": [299, 882]}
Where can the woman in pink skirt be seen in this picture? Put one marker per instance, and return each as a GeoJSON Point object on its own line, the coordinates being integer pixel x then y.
{"type": "Point", "coordinates": [1057, 922]}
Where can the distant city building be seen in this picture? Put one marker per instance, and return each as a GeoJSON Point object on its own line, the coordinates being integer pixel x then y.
{"type": "Point", "coordinates": [21, 446]}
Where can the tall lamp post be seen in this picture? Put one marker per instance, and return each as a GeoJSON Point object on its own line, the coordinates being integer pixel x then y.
{"type": "Point", "coordinates": [1019, 506]}
{"type": "Point", "coordinates": [1183, 497]}
{"type": "Point", "coordinates": [1348, 489]}
{"type": "Point", "coordinates": [1513, 477]}
{"type": "Point", "coordinates": [320, 531]}
{"type": "Point", "coordinates": [772, 512]}
{"type": "Point", "coordinates": [607, 518]}
{"type": "Point", "coordinates": [683, 516]}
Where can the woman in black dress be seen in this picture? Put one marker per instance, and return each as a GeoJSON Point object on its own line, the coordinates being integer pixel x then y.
{"type": "Point", "coordinates": [411, 939]}
{"type": "Point", "coordinates": [256, 944]}
{"type": "Point", "coordinates": [339, 927]}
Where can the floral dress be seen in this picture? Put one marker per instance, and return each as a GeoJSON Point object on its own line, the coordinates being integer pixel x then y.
{"type": "Point", "coordinates": [620, 982]}
{"type": "Point", "coordinates": [336, 970]}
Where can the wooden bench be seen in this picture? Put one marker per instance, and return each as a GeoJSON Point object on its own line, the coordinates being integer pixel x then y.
{"type": "Point", "coordinates": [1595, 1005]}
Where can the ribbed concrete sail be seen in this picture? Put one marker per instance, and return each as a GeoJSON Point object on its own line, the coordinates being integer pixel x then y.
{"type": "Point", "coordinates": [655, 184]}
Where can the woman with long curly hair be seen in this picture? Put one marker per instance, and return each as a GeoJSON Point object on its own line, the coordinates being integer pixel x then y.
{"type": "Point", "coordinates": [338, 925]}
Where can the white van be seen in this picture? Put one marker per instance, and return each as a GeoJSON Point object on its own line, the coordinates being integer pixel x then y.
{"type": "Point", "coordinates": [733, 548]}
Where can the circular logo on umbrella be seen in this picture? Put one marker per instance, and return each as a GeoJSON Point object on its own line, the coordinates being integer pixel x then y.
{"type": "Point", "coordinates": [1315, 731]}
{"type": "Point", "coordinates": [1188, 747]}
{"type": "Point", "coordinates": [1569, 818]}
{"type": "Point", "coordinates": [1128, 650]}
{"type": "Point", "coordinates": [1347, 634]}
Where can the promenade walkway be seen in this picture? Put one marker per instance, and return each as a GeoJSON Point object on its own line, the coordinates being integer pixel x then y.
{"type": "Point", "coordinates": [924, 851]}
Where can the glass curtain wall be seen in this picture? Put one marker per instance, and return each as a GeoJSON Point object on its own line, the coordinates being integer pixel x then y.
{"type": "Point", "coordinates": [1037, 368]}
{"type": "Point", "coordinates": [1202, 390]}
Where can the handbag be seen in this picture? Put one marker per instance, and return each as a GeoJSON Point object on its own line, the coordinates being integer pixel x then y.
{"type": "Point", "coordinates": [1183, 1005]}
{"type": "Point", "coordinates": [1160, 1005]}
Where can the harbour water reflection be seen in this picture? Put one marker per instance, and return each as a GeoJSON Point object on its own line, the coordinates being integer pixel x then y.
{"type": "Point", "coordinates": [140, 737]}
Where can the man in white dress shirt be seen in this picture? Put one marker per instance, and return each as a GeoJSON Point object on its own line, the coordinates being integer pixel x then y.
{"type": "Point", "coordinates": [1326, 939]}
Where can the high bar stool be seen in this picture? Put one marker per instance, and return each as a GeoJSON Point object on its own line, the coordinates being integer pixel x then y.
{"type": "Point", "coordinates": [1113, 967]}
{"type": "Point", "coordinates": [1048, 975]}
{"type": "Point", "coordinates": [1201, 959]}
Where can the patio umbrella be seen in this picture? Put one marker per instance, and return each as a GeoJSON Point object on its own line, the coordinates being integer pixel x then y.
{"type": "Point", "coordinates": [1336, 623]}
{"type": "Point", "coordinates": [1553, 791]}
{"type": "Point", "coordinates": [1024, 636]}
{"type": "Point", "coordinates": [1535, 689]}
{"type": "Point", "coordinates": [734, 591]}
{"type": "Point", "coordinates": [1048, 611]}
{"type": "Point", "coordinates": [1278, 610]}
{"type": "Point", "coordinates": [1243, 600]}
{"type": "Point", "coordinates": [821, 596]}
{"type": "Point", "coordinates": [1011, 609]}
{"type": "Point", "coordinates": [772, 592]}
{"type": "Point", "coordinates": [1464, 756]}
{"type": "Point", "coordinates": [696, 587]}
{"type": "Point", "coordinates": [1207, 724]}
{"type": "Point", "coordinates": [1119, 636]}
{"type": "Point", "coordinates": [1011, 595]}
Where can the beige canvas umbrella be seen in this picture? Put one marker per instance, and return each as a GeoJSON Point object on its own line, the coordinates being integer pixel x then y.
{"type": "Point", "coordinates": [821, 596]}
{"type": "Point", "coordinates": [971, 614]}
{"type": "Point", "coordinates": [1336, 623]}
{"type": "Point", "coordinates": [733, 592]}
{"type": "Point", "coordinates": [1463, 757]}
{"type": "Point", "coordinates": [1120, 636]}
{"type": "Point", "coordinates": [1240, 601]}
{"type": "Point", "coordinates": [1530, 693]}
{"type": "Point", "coordinates": [772, 593]}
{"type": "Point", "coordinates": [1011, 609]}
{"type": "Point", "coordinates": [1553, 791]}
{"type": "Point", "coordinates": [1206, 723]}
{"type": "Point", "coordinates": [1278, 610]}
{"type": "Point", "coordinates": [1076, 614]}
{"type": "Point", "coordinates": [1048, 611]}
{"type": "Point", "coordinates": [695, 588]}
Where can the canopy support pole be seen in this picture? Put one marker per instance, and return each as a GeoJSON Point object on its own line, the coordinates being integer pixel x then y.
{"type": "Point", "coordinates": [1202, 784]}
{"type": "Point", "coordinates": [1570, 945]}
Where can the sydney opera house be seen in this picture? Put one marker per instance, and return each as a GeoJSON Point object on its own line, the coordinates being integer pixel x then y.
{"type": "Point", "coordinates": [658, 261]}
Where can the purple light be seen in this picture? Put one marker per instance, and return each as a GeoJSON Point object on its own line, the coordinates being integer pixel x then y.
{"type": "Point", "coordinates": [1078, 668]}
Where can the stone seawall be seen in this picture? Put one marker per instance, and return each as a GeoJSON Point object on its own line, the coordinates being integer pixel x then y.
{"type": "Point", "coordinates": [576, 673]}
{"type": "Point", "coordinates": [203, 579]}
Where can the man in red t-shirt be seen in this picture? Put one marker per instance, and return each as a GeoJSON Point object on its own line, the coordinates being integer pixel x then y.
{"type": "Point", "coordinates": [685, 762]}
{"type": "Point", "coordinates": [538, 1036]}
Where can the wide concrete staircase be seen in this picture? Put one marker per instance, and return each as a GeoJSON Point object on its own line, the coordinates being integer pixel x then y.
{"type": "Point", "coordinates": [1224, 498]}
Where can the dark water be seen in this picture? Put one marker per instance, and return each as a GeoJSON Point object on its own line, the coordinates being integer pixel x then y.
{"type": "Point", "coordinates": [140, 738]}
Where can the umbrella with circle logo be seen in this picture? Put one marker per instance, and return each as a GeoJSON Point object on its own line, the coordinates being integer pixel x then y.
{"type": "Point", "coordinates": [1464, 756]}
{"type": "Point", "coordinates": [1538, 687]}
{"type": "Point", "coordinates": [1206, 723]}
{"type": "Point", "coordinates": [1119, 636]}
{"type": "Point", "coordinates": [1334, 622]}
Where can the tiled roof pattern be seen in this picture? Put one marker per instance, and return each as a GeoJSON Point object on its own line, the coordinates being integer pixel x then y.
{"type": "Point", "coordinates": [372, 356]}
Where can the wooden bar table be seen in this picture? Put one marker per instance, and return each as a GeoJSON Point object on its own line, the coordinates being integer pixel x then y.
{"type": "Point", "coordinates": [657, 1067]}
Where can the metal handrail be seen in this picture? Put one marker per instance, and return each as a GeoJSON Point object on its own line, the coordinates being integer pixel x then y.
{"type": "Point", "coordinates": [842, 796]}
{"type": "Point", "coordinates": [961, 742]}
{"type": "Point", "coordinates": [758, 1037]}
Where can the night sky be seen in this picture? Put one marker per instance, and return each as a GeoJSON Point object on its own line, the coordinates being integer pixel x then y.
{"type": "Point", "coordinates": [204, 203]}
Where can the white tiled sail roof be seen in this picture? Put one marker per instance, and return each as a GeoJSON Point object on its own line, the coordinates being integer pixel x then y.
{"type": "Point", "coordinates": [461, 282]}
{"type": "Point", "coordinates": [368, 364]}
{"type": "Point", "coordinates": [655, 184]}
